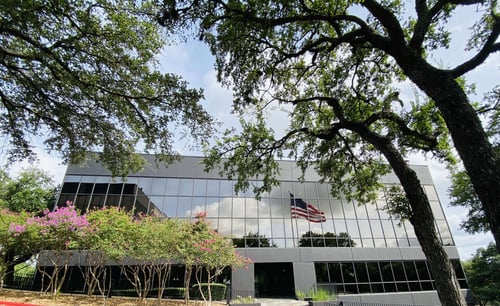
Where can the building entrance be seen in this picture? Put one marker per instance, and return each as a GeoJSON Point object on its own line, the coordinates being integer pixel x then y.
{"type": "Point", "coordinates": [274, 280]}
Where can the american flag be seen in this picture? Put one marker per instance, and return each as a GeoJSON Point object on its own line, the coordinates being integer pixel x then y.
{"type": "Point", "coordinates": [301, 209]}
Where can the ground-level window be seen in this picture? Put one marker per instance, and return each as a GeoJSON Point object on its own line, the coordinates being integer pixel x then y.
{"type": "Point", "coordinates": [380, 276]}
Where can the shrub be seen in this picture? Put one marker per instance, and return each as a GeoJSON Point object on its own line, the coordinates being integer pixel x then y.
{"type": "Point", "coordinates": [218, 291]}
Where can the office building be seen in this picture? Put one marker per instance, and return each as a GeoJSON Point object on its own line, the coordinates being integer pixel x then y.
{"type": "Point", "coordinates": [357, 249]}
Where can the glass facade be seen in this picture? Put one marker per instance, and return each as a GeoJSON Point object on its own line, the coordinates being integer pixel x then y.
{"type": "Point", "coordinates": [357, 249]}
{"type": "Point", "coordinates": [380, 276]}
{"type": "Point", "coordinates": [255, 223]}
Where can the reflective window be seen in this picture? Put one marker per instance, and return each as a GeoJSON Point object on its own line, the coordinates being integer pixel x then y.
{"type": "Point", "coordinates": [199, 187]}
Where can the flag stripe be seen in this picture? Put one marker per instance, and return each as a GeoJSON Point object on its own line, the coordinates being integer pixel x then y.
{"type": "Point", "coordinates": [301, 209]}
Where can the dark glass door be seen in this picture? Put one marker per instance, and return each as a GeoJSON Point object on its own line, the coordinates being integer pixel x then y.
{"type": "Point", "coordinates": [274, 280]}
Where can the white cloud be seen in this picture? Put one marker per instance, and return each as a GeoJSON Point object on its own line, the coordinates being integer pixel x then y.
{"type": "Point", "coordinates": [50, 163]}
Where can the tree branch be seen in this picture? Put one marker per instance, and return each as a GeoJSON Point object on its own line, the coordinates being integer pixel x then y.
{"type": "Point", "coordinates": [489, 47]}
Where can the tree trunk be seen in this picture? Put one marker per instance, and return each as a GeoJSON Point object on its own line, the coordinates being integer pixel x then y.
{"type": "Point", "coordinates": [423, 222]}
{"type": "Point", "coordinates": [422, 219]}
{"type": "Point", "coordinates": [466, 130]}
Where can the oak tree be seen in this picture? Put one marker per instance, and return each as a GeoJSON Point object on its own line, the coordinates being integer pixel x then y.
{"type": "Point", "coordinates": [314, 34]}
{"type": "Point", "coordinates": [331, 66]}
{"type": "Point", "coordinates": [83, 76]}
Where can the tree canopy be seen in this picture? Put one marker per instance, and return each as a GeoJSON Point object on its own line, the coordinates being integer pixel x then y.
{"type": "Point", "coordinates": [312, 54]}
{"type": "Point", "coordinates": [333, 67]}
{"type": "Point", "coordinates": [483, 275]}
{"type": "Point", "coordinates": [83, 76]}
{"type": "Point", "coordinates": [32, 191]}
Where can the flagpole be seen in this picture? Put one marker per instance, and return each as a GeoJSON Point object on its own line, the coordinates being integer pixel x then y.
{"type": "Point", "coordinates": [291, 219]}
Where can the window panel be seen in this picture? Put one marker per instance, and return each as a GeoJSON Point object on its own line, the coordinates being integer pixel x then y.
{"type": "Point", "coordinates": [173, 187]}
{"type": "Point", "coordinates": [352, 228]}
{"type": "Point", "coordinates": [437, 210]}
{"type": "Point", "coordinates": [364, 288]}
{"type": "Point", "coordinates": [251, 226]}
{"type": "Point", "coordinates": [349, 210]}
{"type": "Point", "coordinates": [373, 271]}
{"type": "Point", "coordinates": [324, 205]}
{"type": "Point", "coordinates": [226, 188]}
{"type": "Point", "coordinates": [368, 243]}
{"type": "Point", "coordinates": [277, 207]}
{"type": "Point", "coordinates": [239, 228]}
{"type": "Point", "coordinates": [348, 272]}
{"type": "Point", "coordinates": [288, 230]}
{"type": "Point", "coordinates": [145, 184]}
{"type": "Point", "coordinates": [391, 242]}
{"type": "Point", "coordinates": [184, 206]}
{"type": "Point", "coordinates": [251, 208]}
{"type": "Point", "coordinates": [388, 229]}
{"type": "Point", "coordinates": [360, 210]}
{"type": "Point", "coordinates": [364, 229]}
{"type": "Point", "coordinates": [213, 188]}
{"type": "Point", "coordinates": [377, 288]}
{"type": "Point", "coordinates": [310, 192]}
{"type": "Point", "coordinates": [372, 211]}
{"type": "Point", "coordinates": [128, 188]}
{"type": "Point", "coordinates": [386, 270]}
{"type": "Point", "coordinates": [402, 287]}
{"type": "Point", "coordinates": [361, 272]}
{"type": "Point", "coordinates": [186, 187]}
{"type": "Point", "coordinates": [87, 188]}
{"type": "Point", "coordinates": [415, 286]}
{"type": "Point", "coordinates": [70, 188]}
{"type": "Point", "coordinates": [265, 227]}
{"type": "Point", "coordinates": [279, 243]}
{"type": "Point", "coordinates": [82, 202]}
{"type": "Point", "coordinates": [335, 272]}
{"type": "Point", "coordinates": [323, 192]}
{"type": "Point", "coordinates": [340, 226]}
{"type": "Point", "coordinates": [225, 207]}
{"type": "Point", "coordinates": [390, 287]}
{"type": "Point", "coordinates": [225, 226]}
{"type": "Point", "coordinates": [200, 187]}
{"type": "Point", "coordinates": [379, 243]}
{"type": "Point", "coordinates": [411, 272]}
{"type": "Point", "coordinates": [112, 200]}
{"type": "Point", "coordinates": [239, 207]}
{"type": "Point", "coordinates": [277, 228]}
{"type": "Point", "coordinates": [100, 188]}
{"type": "Point", "coordinates": [158, 186]}
{"type": "Point", "coordinates": [264, 208]}
{"type": "Point", "coordinates": [376, 228]}
{"type": "Point", "coordinates": [399, 273]}
{"type": "Point", "coordinates": [431, 193]}
{"type": "Point", "coordinates": [170, 206]}
{"type": "Point", "coordinates": [321, 269]}
{"type": "Point", "coordinates": [423, 273]}
{"type": "Point", "coordinates": [337, 210]}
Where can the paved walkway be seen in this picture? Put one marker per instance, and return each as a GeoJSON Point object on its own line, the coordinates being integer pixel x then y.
{"type": "Point", "coordinates": [282, 302]}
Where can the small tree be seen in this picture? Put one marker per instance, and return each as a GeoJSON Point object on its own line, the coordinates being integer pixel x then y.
{"type": "Point", "coordinates": [212, 253]}
{"type": "Point", "coordinates": [12, 249]}
{"type": "Point", "coordinates": [54, 235]}
{"type": "Point", "coordinates": [111, 227]}
{"type": "Point", "coordinates": [483, 275]}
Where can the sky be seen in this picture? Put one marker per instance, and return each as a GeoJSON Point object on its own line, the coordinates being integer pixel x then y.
{"type": "Point", "coordinates": [194, 63]}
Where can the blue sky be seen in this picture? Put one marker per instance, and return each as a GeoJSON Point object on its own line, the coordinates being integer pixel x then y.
{"type": "Point", "coordinates": [194, 63]}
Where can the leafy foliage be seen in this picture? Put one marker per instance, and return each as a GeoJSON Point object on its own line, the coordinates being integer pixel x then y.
{"type": "Point", "coordinates": [145, 246]}
{"type": "Point", "coordinates": [82, 75]}
{"type": "Point", "coordinates": [483, 275]}
{"type": "Point", "coordinates": [32, 190]}
{"type": "Point", "coordinates": [253, 240]}
{"type": "Point", "coordinates": [310, 238]}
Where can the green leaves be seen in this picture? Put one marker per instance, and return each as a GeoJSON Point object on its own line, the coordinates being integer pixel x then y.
{"type": "Point", "coordinates": [82, 76]}
{"type": "Point", "coordinates": [483, 274]}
